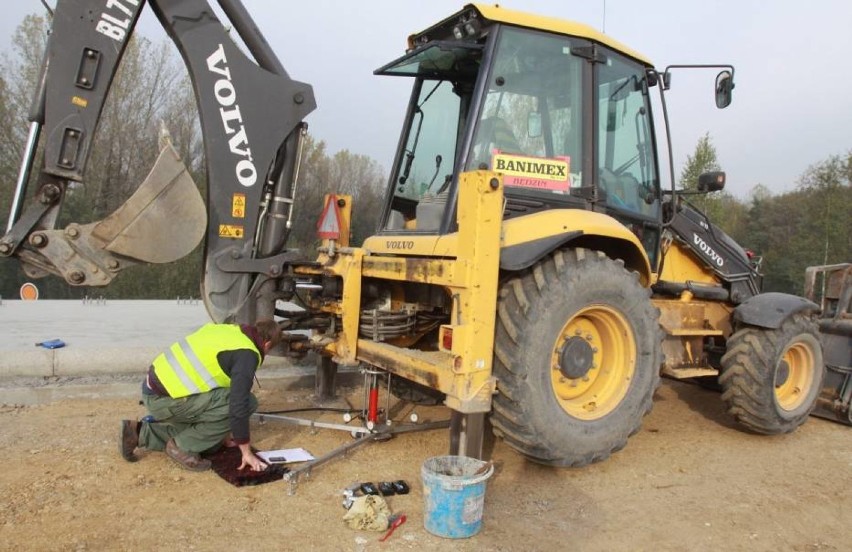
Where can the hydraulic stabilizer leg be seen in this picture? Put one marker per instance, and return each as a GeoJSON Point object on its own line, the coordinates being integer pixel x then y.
{"type": "Point", "coordinates": [326, 375]}
{"type": "Point", "coordinates": [467, 433]}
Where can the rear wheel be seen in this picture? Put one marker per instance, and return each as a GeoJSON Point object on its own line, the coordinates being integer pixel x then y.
{"type": "Point", "coordinates": [577, 358]}
{"type": "Point", "coordinates": [771, 378]}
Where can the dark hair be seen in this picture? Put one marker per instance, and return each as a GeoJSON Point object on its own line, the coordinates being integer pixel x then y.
{"type": "Point", "coordinates": [269, 331]}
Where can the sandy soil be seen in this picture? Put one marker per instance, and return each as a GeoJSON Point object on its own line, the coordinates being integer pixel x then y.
{"type": "Point", "coordinates": [688, 480]}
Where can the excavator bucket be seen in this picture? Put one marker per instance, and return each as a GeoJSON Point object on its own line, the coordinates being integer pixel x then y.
{"type": "Point", "coordinates": [162, 221]}
{"type": "Point", "coordinates": [831, 287]}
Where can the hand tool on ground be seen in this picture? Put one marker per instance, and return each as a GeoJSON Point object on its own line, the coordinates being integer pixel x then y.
{"type": "Point", "coordinates": [395, 522]}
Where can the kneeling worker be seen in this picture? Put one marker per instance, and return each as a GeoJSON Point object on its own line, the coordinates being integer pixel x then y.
{"type": "Point", "coordinates": [199, 391]}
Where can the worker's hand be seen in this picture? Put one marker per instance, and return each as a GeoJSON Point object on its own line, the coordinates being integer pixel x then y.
{"type": "Point", "coordinates": [250, 460]}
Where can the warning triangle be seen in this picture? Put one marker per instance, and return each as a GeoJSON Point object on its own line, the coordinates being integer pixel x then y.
{"type": "Point", "coordinates": [329, 223]}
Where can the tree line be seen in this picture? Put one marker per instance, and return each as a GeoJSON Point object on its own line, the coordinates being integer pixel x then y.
{"type": "Point", "coordinates": [810, 225]}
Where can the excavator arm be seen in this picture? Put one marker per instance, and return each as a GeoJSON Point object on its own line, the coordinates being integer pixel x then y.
{"type": "Point", "coordinates": [252, 125]}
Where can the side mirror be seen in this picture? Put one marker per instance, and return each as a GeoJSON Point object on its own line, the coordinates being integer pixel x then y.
{"type": "Point", "coordinates": [711, 181]}
{"type": "Point", "coordinates": [724, 88]}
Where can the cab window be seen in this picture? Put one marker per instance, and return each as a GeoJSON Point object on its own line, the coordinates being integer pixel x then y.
{"type": "Point", "coordinates": [627, 170]}
{"type": "Point", "coordinates": [529, 126]}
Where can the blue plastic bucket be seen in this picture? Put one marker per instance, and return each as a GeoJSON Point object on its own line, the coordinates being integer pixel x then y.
{"type": "Point", "coordinates": [454, 495]}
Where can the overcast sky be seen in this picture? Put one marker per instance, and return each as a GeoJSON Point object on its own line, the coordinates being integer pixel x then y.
{"type": "Point", "coordinates": [792, 103]}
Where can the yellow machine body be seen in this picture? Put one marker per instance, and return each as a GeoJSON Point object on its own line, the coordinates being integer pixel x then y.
{"type": "Point", "coordinates": [465, 266]}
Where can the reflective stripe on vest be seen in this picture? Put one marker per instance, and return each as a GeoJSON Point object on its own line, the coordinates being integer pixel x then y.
{"type": "Point", "coordinates": [190, 366]}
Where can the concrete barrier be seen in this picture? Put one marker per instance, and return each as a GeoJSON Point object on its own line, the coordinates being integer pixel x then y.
{"type": "Point", "coordinates": [115, 337]}
{"type": "Point", "coordinates": [32, 362]}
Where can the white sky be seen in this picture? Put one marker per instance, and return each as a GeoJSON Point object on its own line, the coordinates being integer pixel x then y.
{"type": "Point", "coordinates": [792, 103]}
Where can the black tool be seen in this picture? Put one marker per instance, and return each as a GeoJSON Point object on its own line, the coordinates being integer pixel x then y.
{"type": "Point", "coordinates": [369, 489]}
{"type": "Point", "coordinates": [401, 487]}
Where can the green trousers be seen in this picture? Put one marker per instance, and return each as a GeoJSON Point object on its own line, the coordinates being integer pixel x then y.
{"type": "Point", "coordinates": [198, 423]}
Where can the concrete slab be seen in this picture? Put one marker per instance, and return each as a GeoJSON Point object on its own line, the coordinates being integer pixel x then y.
{"type": "Point", "coordinates": [87, 325]}
{"type": "Point", "coordinates": [78, 362]}
{"type": "Point", "coordinates": [29, 362]}
{"type": "Point", "coordinates": [110, 337]}
{"type": "Point", "coordinates": [26, 390]}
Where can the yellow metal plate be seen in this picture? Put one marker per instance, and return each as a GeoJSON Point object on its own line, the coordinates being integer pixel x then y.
{"type": "Point", "coordinates": [234, 231]}
{"type": "Point", "coordinates": [238, 206]}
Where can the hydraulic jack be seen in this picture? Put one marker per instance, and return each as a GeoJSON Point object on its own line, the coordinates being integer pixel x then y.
{"type": "Point", "coordinates": [376, 425]}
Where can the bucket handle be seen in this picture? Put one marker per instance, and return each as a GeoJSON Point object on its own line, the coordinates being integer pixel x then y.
{"type": "Point", "coordinates": [455, 484]}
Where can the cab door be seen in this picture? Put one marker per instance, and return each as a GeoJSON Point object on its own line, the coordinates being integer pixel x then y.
{"type": "Point", "coordinates": [625, 154]}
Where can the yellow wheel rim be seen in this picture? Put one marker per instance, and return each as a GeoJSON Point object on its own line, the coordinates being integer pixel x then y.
{"type": "Point", "coordinates": [798, 360]}
{"type": "Point", "coordinates": [609, 364]}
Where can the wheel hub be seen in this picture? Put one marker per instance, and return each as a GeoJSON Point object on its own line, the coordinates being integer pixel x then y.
{"type": "Point", "coordinates": [782, 373]}
{"type": "Point", "coordinates": [593, 362]}
{"type": "Point", "coordinates": [576, 358]}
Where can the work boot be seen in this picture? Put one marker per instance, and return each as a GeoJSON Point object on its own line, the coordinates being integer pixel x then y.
{"type": "Point", "coordinates": [129, 440]}
{"type": "Point", "coordinates": [187, 460]}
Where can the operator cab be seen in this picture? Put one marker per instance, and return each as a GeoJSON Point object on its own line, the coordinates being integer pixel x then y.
{"type": "Point", "coordinates": [563, 113]}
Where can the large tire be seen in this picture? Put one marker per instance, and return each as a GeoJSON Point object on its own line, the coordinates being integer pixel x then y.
{"type": "Point", "coordinates": [771, 379]}
{"type": "Point", "coordinates": [577, 357]}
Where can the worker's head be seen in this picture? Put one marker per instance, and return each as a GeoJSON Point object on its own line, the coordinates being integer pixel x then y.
{"type": "Point", "coordinates": [270, 334]}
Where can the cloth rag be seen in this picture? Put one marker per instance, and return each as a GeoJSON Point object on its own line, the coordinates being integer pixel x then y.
{"type": "Point", "coordinates": [368, 513]}
{"type": "Point", "coordinates": [226, 462]}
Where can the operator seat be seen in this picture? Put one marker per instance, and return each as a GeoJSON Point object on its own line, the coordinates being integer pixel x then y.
{"type": "Point", "coordinates": [493, 133]}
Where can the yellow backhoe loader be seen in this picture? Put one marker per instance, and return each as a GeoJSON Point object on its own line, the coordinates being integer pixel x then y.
{"type": "Point", "coordinates": [528, 267]}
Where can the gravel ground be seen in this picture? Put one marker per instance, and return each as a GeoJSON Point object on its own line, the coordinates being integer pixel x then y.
{"type": "Point", "coordinates": [689, 480]}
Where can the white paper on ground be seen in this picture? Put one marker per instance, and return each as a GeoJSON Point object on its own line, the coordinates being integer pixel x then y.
{"type": "Point", "coordinates": [285, 456]}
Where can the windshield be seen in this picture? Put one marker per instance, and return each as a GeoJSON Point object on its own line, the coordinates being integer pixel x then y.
{"type": "Point", "coordinates": [431, 145]}
{"type": "Point", "coordinates": [423, 170]}
{"type": "Point", "coordinates": [437, 60]}
{"type": "Point", "coordinates": [530, 124]}
{"type": "Point", "coordinates": [426, 166]}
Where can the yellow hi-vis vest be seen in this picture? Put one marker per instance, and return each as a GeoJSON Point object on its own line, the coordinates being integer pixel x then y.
{"type": "Point", "coordinates": [190, 366]}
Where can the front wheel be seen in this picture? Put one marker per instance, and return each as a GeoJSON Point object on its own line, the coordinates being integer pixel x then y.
{"type": "Point", "coordinates": [577, 358]}
{"type": "Point", "coordinates": [771, 379]}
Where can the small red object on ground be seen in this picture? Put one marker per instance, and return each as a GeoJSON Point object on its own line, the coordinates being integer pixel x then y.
{"type": "Point", "coordinates": [395, 522]}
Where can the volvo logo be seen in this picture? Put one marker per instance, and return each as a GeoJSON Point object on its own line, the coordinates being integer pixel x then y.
{"type": "Point", "coordinates": [707, 250]}
{"type": "Point", "coordinates": [399, 244]}
{"type": "Point", "coordinates": [232, 120]}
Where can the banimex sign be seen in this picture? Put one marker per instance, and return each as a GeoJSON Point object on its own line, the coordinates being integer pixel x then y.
{"type": "Point", "coordinates": [544, 173]}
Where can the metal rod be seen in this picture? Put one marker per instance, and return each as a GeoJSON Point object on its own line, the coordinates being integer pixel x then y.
{"type": "Point", "coordinates": [300, 147]}
{"type": "Point", "coordinates": [408, 428]}
{"type": "Point", "coordinates": [312, 423]}
{"type": "Point", "coordinates": [293, 476]}
{"type": "Point", "coordinates": [252, 37]}
{"type": "Point", "coordinates": [24, 174]}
